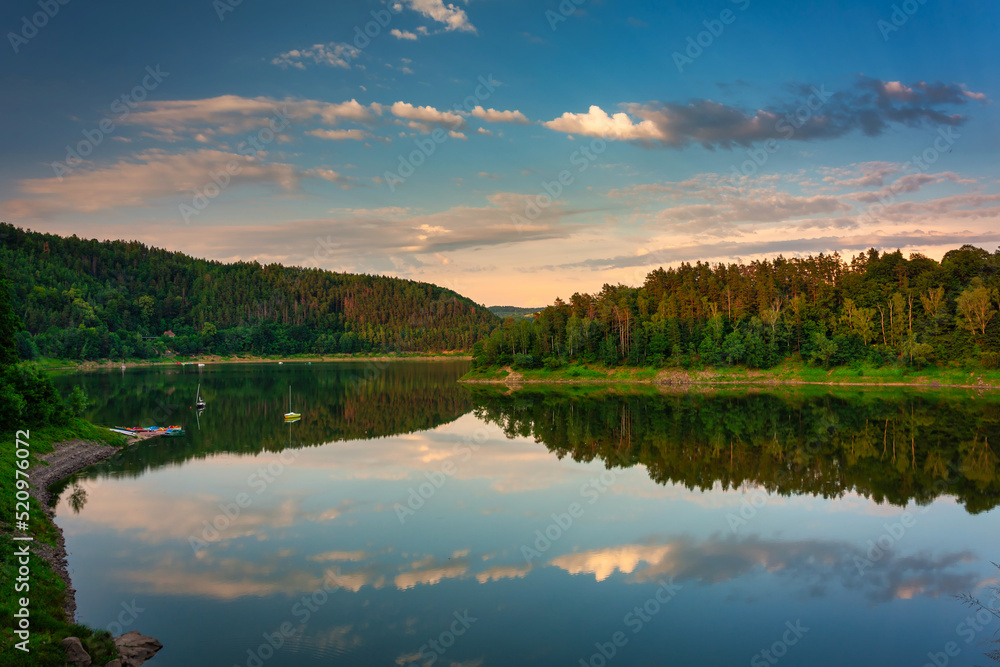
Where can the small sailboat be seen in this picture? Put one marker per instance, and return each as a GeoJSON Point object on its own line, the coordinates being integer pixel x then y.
{"type": "Point", "coordinates": [199, 402]}
{"type": "Point", "coordinates": [291, 416]}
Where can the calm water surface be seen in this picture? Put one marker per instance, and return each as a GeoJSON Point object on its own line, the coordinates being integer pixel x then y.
{"type": "Point", "coordinates": [410, 520]}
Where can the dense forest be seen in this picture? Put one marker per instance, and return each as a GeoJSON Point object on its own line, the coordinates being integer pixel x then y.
{"type": "Point", "coordinates": [876, 310]}
{"type": "Point", "coordinates": [88, 299]}
{"type": "Point", "coordinates": [890, 447]}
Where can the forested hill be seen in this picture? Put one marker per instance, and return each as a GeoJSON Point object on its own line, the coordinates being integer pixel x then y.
{"type": "Point", "coordinates": [89, 299]}
{"type": "Point", "coordinates": [503, 312]}
{"type": "Point", "coordinates": [877, 309]}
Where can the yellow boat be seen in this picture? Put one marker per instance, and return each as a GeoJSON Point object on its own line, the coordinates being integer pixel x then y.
{"type": "Point", "coordinates": [291, 416]}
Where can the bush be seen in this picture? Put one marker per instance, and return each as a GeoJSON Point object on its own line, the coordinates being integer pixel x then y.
{"type": "Point", "coordinates": [524, 362]}
{"type": "Point", "coordinates": [77, 402]}
{"type": "Point", "coordinates": [29, 399]}
{"type": "Point", "coordinates": [553, 364]}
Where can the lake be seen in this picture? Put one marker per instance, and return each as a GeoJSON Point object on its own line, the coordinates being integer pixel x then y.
{"type": "Point", "coordinates": [408, 519]}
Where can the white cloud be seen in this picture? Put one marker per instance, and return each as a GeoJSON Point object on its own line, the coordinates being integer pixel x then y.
{"type": "Point", "coordinates": [422, 116]}
{"type": "Point", "coordinates": [494, 116]}
{"type": "Point", "coordinates": [403, 34]}
{"type": "Point", "coordinates": [597, 123]}
{"type": "Point", "coordinates": [451, 16]}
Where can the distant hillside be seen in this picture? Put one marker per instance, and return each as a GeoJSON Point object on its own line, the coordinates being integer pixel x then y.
{"type": "Point", "coordinates": [88, 299]}
{"type": "Point", "coordinates": [503, 312]}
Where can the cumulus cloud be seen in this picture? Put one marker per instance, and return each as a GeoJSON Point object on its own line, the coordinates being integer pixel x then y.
{"type": "Point", "coordinates": [423, 117]}
{"type": "Point", "coordinates": [597, 123]}
{"type": "Point", "coordinates": [403, 34]}
{"type": "Point", "coordinates": [812, 566]}
{"type": "Point", "coordinates": [334, 54]}
{"type": "Point", "coordinates": [871, 106]}
{"type": "Point", "coordinates": [494, 116]}
{"type": "Point", "coordinates": [450, 16]}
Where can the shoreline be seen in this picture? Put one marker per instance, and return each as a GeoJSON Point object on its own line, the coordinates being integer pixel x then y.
{"type": "Point", "coordinates": [215, 360]}
{"type": "Point", "coordinates": [737, 383]}
{"type": "Point", "coordinates": [675, 379]}
{"type": "Point", "coordinates": [65, 459]}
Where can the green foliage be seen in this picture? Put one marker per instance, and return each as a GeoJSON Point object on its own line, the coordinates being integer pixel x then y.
{"type": "Point", "coordinates": [33, 399]}
{"type": "Point", "coordinates": [822, 349]}
{"type": "Point", "coordinates": [9, 324]}
{"type": "Point", "coordinates": [877, 309]}
{"type": "Point", "coordinates": [77, 402]}
{"type": "Point", "coordinates": [85, 299]}
{"type": "Point", "coordinates": [895, 447]}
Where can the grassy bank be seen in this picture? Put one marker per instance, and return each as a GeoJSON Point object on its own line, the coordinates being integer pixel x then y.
{"type": "Point", "coordinates": [48, 622]}
{"type": "Point", "coordinates": [789, 372]}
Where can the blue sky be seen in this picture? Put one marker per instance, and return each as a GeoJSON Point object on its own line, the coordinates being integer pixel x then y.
{"type": "Point", "coordinates": [723, 131]}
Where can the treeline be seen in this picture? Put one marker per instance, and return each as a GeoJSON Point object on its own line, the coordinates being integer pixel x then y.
{"type": "Point", "coordinates": [877, 310]}
{"type": "Point", "coordinates": [889, 447]}
{"type": "Point", "coordinates": [89, 299]}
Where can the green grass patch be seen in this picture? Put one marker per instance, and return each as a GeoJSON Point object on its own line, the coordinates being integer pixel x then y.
{"type": "Point", "coordinates": [48, 624]}
{"type": "Point", "coordinates": [791, 370]}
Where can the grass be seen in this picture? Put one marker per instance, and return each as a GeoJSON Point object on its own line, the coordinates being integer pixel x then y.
{"type": "Point", "coordinates": [790, 371]}
{"type": "Point", "coordinates": [49, 625]}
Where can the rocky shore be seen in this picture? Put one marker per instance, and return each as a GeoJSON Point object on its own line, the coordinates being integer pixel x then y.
{"type": "Point", "coordinates": [65, 459]}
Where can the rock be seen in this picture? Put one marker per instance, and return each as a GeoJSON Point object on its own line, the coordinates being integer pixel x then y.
{"type": "Point", "coordinates": [75, 653]}
{"type": "Point", "coordinates": [135, 648]}
{"type": "Point", "coordinates": [114, 663]}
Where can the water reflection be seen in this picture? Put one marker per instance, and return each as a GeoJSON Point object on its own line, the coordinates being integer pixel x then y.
{"type": "Point", "coordinates": [764, 508]}
{"type": "Point", "coordinates": [893, 447]}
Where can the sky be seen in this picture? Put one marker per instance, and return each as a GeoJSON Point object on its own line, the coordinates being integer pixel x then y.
{"type": "Point", "coordinates": [513, 151]}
